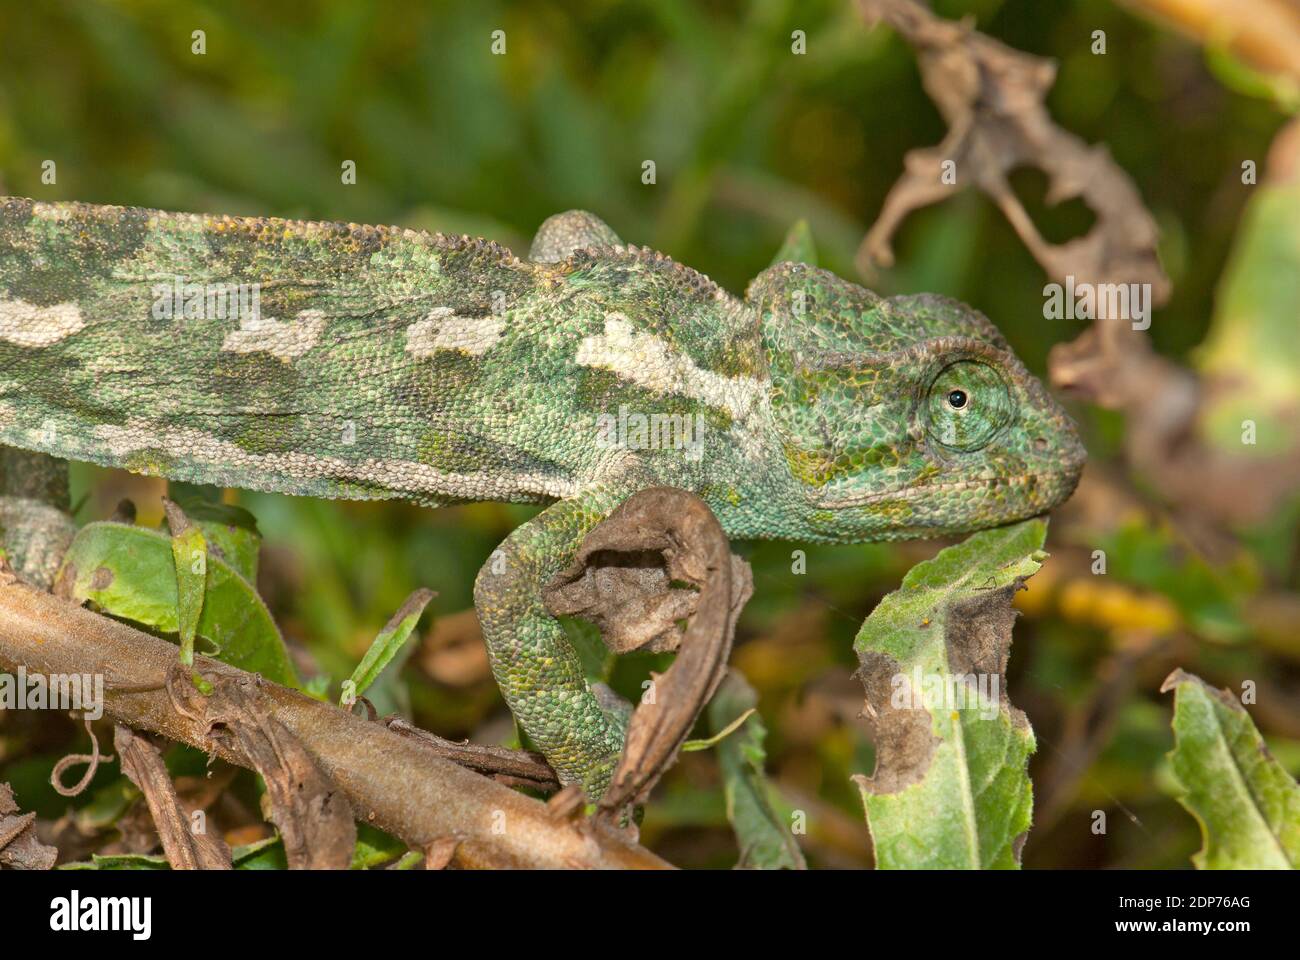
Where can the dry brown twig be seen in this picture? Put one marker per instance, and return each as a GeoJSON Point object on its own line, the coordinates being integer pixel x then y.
{"type": "Point", "coordinates": [314, 819]}
{"type": "Point", "coordinates": [392, 781]}
{"type": "Point", "coordinates": [991, 97]}
{"type": "Point", "coordinates": [628, 578]}
{"type": "Point", "coordinates": [515, 768]}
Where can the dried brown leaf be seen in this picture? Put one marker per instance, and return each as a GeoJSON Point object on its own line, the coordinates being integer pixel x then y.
{"type": "Point", "coordinates": [313, 816]}
{"type": "Point", "coordinates": [19, 847]}
{"type": "Point", "coordinates": [185, 849]}
{"type": "Point", "coordinates": [628, 579]}
{"type": "Point", "coordinates": [991, 97]}
{"type": "Point", "coordinates": [1166, 406]}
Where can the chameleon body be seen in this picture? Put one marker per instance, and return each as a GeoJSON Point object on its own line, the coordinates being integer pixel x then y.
{"type": "Point", "coordinates": [338, 360]}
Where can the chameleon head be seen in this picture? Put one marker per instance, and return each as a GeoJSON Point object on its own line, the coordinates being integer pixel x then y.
{"type": "Point", "coordinates": [906, 417]}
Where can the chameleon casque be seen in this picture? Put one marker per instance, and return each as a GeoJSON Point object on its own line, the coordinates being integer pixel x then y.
{"type": "Point", "coordinates": [380, 362]}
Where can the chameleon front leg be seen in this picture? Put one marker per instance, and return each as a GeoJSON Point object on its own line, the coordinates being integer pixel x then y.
{"type": "Point", "coordinates": [532, 657]}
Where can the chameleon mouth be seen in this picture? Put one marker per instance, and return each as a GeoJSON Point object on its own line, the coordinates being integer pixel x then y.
{"type": "Point", "coordinates": [1051, 487]}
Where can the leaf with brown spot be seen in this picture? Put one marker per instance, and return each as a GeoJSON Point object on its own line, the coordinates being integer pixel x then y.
{"type": "Point", "coordinates": [133, 573]}
{"type": "Point", "coordinates": [950, 788]}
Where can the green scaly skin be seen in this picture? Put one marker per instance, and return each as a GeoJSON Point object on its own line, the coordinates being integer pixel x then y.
{"type": "Point", "coordinates": [385, 363]}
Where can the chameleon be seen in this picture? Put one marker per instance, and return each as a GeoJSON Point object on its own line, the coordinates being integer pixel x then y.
{"type": "Point", "coordinates": [372, 362]}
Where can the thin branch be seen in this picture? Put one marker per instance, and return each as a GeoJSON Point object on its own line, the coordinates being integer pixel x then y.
{"type": "Point", "coordinates": [391, 781]}
{"type": "Point", "coordinates": [516, 768]}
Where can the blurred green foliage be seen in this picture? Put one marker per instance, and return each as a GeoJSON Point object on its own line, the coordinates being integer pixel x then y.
{"type": "Point", "coordinates": [747, 138]}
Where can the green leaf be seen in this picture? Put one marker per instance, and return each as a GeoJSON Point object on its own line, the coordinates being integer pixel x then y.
{"type": "Point", "coordinates": [950, 788]}
{"type": "Point", "coordinates": [764, 837]}
{"type": "Point", "coordinates": [797, 246]}
{"type": "Point", "coordinates": [130, 572]}
{"type": "Point", "coordinates": [318, 688]}
{"type": "Point", "coordinates": [124, 861]}
{"type": "Point", "coordinates": [264, 854]}
{"type": "Point", "coordinates": [386, 646]}
{"type": "Point", "coordinates": [1246, 803]}
{"type": "Point", "coordinates": [1236, 74]}
{"type": "Point", "coordinates": [202, 503]}
{"type": "Point", "coordinates": [694, 746]}
{"type": "Point", "coordinates": [375, 848]}
{"type": "Point", "coordinates": [1252, 350]}
{"type": "Point", "coordinates": [107, 804]}
{"type": "Point", "coordinates": [231, 531]}
{"type": "Point", "coordinates": [190, 555]}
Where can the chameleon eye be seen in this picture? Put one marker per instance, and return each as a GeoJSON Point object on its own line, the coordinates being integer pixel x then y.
{"type": "Point", "coordinates": [968, 404]}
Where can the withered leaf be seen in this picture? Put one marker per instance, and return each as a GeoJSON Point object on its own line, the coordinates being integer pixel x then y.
{"type": "Point", "coordinates": [627, 579]}
{"type": "Point", "coordinates": [951, 787]}
{"type": "Point", "coordinates": [992, 99]}
{"type": "Point", "coordinates": [19, 847]}
{"type": "Point", "coordinates": [185, 848]}
{"type": "Point", "coordinates": [312, 814]}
